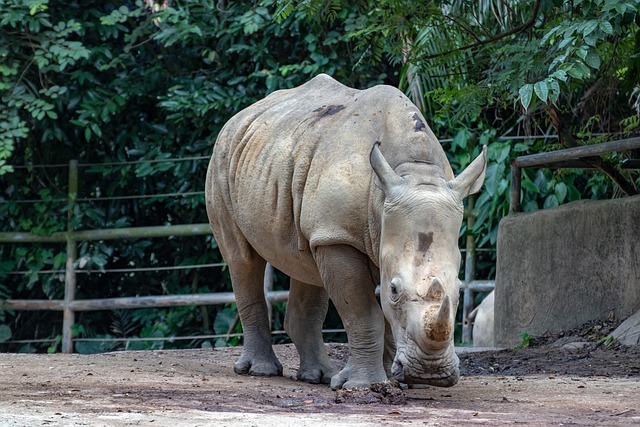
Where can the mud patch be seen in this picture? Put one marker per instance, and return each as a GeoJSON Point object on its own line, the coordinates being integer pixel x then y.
{"type": "Point", "coordinates": [582, 351]}
{"type": "Point", "coordinates": [387, 393]}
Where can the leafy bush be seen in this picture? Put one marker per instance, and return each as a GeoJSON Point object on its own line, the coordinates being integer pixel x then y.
{"type": "Point", "coordinates": [123, 90]}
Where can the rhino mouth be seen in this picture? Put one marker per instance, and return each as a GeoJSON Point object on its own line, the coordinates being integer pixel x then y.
{"type": "Point", "coordinates": [440, 369]}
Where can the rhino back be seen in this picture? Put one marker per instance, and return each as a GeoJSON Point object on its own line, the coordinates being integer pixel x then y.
{"type": "Point", "coordinates": [293, 169]}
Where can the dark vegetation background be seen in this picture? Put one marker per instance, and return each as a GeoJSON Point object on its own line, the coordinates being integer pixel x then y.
{"type": "Point", "coordinates": [122, 86]}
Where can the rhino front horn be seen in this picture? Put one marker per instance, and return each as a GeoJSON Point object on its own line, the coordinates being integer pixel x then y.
{"type": "Point", "coordinates": [438, 328]}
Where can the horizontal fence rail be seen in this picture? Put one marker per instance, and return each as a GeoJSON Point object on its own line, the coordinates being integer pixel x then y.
{"type": "Point", "coordinates": [575, 153]}
{"type": "Point", "coordinates": [109, 234]}
{"type": "Point", "coordinates": [171, 300]}
{"type": "Point", "coordinates": [479, 285]}
{"type": "Point", "coordinates": [137, 302]}
{"type": "Point", "coordinates": [567, 158]}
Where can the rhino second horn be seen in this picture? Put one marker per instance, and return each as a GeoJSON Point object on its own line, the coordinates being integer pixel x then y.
{"type": "Point", "coordinates": [388, 180]}
{"type": "Point", "coordinates": [438, 327]}
{"type": "Point", "coordinates": [436, 291]}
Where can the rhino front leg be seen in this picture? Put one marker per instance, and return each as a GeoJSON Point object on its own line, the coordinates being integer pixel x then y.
{"type": "Point", "coordinates": [347, 277]}
{"type": "Point", "coordinates": [389, 349]}
{"type": "Point", "coordinates": [257, 356]}
{"type": "Point", "coordinates": [306, 311]}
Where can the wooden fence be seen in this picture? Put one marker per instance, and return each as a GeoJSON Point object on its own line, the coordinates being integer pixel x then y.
{"type": "Point", "coordinates": [70, 305]}
{"type": "Point", "coordinates": [574, 158]}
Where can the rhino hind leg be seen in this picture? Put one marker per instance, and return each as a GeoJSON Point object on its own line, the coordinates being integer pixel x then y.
{"type": "Point", "coordinates": [305, 314]}
{"type": "Point", "coordinates": [348, 278]}
{"type": "Point", "coordinates": [247, 278]}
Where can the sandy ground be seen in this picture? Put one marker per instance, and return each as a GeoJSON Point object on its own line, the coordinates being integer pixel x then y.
{"type": "Point", "coordinates": [545, 386]}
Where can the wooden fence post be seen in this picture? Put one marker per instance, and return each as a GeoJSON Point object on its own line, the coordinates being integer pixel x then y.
{"type": "Point", "coordinates": [469, 272]}
{"type": "Point", "coordinates": [516, 182]}
{"type": "Point", "coordinates": [72, 254]}
{"type": "Point", "coordinates": [268, 287]}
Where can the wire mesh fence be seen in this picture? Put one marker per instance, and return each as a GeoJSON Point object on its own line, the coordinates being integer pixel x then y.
{"type": "Point", "coordinates": [71, 238]}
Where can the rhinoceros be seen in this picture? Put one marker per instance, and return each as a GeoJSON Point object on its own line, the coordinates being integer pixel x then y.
{"type": "Point", "coordinates": [342, 189]}
{"type": "Point", "coordinates": [483, 333]}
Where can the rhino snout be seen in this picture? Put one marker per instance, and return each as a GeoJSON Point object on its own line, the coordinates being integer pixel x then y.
{"type": "Point", "coordinates": [441, 373]}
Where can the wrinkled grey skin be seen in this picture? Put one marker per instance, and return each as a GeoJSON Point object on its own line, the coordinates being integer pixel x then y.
{"type": "Point", "coordinates": [298, 180]}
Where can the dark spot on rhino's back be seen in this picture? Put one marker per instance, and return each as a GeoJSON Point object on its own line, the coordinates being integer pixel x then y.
{"type": "Point", "coordinates": [329, 110]}
{"type": "Point", "coordinates": [424, 241]}
{"type": "Point", "coordinates": [419, 123]}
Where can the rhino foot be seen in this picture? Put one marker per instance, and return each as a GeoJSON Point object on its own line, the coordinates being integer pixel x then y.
{"type": "Point", "coordinates": [348, 378]}
{"type": "Point", "coordinates": [316, 376]}
{"type": "Point", "coordinates": [261, 368]}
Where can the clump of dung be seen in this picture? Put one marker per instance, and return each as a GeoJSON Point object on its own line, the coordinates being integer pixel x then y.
{"type": "Point", "coordinates": [387, 393]}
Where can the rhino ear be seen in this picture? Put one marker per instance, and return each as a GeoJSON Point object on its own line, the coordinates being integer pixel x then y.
{"type": "Point", "coordinates": [388, 180]}
{"type": "Point", "coordinates": [471, 179]}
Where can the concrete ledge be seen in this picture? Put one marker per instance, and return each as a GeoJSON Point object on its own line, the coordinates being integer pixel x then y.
{"type": "Point", "coordinates": [559, 268]}
{"type": "Point", "coordinates": [465, 350]}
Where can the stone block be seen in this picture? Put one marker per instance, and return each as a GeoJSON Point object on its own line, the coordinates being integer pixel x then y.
{"type": "Point", "coordinates": [628, 333]}
{"type": "Point", "coordinates": [559, 268]}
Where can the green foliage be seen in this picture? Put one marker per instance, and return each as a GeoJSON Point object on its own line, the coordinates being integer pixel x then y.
{"type": "Point", "coordinates": [91, 347]}
{"type": "Point", "coordinates": [526, 340]}
{"type": "Point", "coordinates": [227, 323]}
{"type": "Point", "coordinates": [125, 89]}
{"type": "Point", "coordinates": [577, 47]}
{"type": "Point", "coordinates": [53, 48]}
{"type": "Point", "coordinates": [475, 59]}
{"type": "Point", "coordinates": [53, 348]}
{"type": "Point", "coordinates": [606, 341]}
{"type": "Point", "coordinates": [5, 333]}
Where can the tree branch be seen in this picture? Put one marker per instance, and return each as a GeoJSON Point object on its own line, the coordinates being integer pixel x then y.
{"type": "Point", "coordinates": [464, 27]}
{"type": "Point", "coordinates": [493, 39]}
{"type": "Point", "coordinates": [567, 139]}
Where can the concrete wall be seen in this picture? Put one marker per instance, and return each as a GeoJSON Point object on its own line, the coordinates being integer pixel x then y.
{"type": "Point", "coordinates": [559, 268]}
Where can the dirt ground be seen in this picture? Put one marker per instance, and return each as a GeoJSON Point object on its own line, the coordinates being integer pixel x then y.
{"type": "Point", "coordinates": [548, 384]}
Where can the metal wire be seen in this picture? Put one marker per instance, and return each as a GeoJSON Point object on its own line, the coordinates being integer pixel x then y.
{"type": "Point", "coordinates": [92, 199]}
{"type": "Point", "coordinates": [166, 268]}
{"type": "Point", "coordinates": [125, 270]}
{"type": "Point", "coordinates": [182, 159]}
{"type": "Point", "coordinates": [138, 339]}
{"type": "Point", "coordinates": [132, 162]}
{"type": "Point", "coordinates": [515, 137]}
{"type": "Point", "coordinates": [192, 337]}
{"type": "Point", "coordinates": [145, 196]}
{"type": "Point", "coordinates": [137, 162]}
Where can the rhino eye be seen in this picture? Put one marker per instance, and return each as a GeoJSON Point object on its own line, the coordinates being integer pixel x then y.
{"type": "Point", "coordinates": [395, 288]}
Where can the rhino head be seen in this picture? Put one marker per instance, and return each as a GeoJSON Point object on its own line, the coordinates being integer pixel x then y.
{"type": "Point", "coordinates": [419, 264]}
